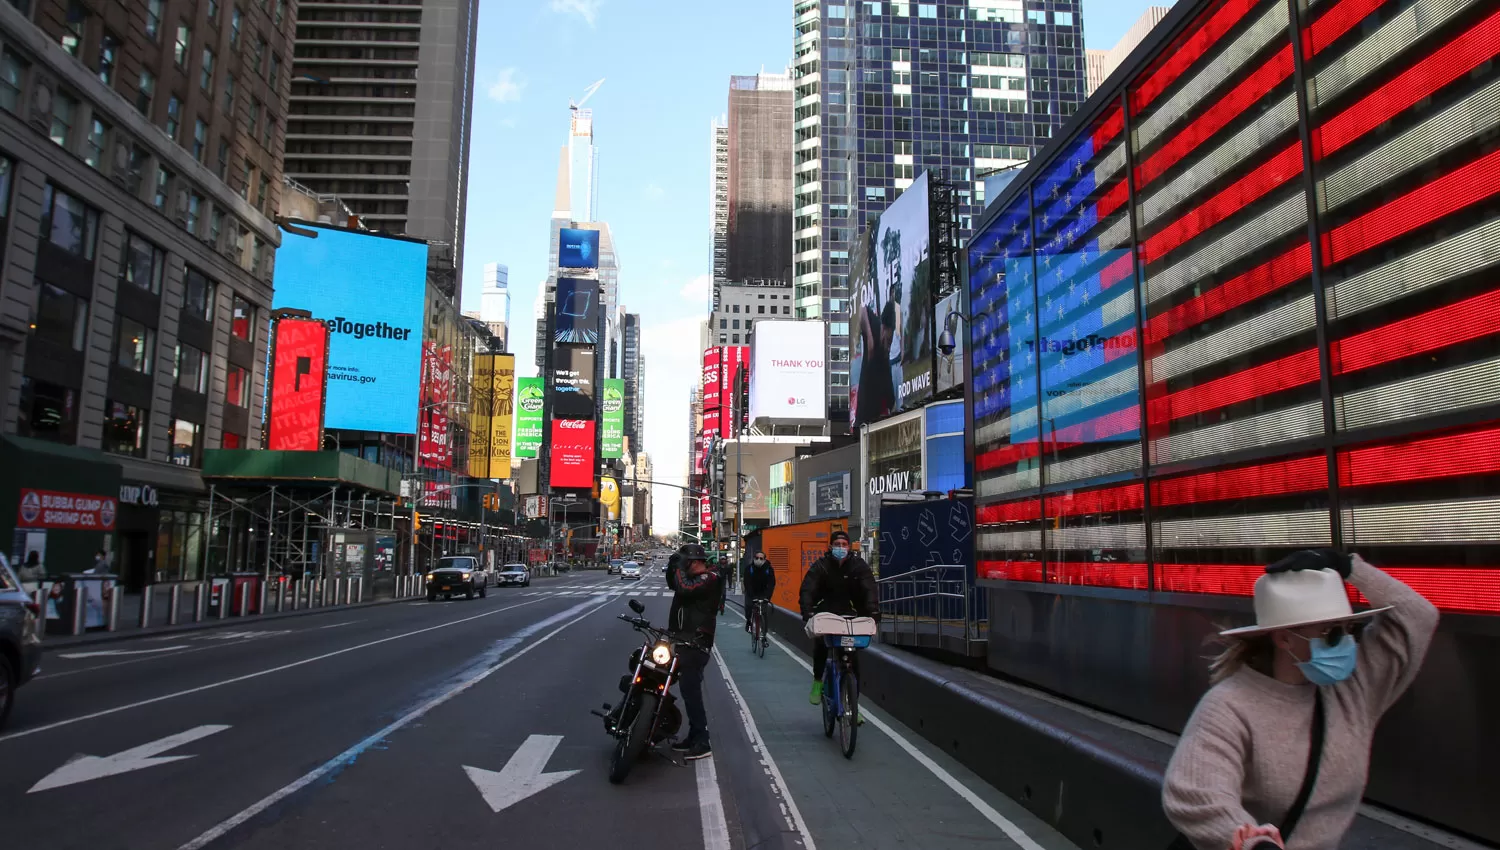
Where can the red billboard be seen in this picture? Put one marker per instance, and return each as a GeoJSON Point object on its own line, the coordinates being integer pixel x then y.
{"type": "Point", "coordinates": [299, 372]}
{"type": "Point", "coordinates": [732, 359]}
{"type": "Point", "coordinates": [711, 377]}
{"type": "Point", "coordinates": [572, 453]}
{"type": "Point", "coordinates": [56, 509]}
{"type": "Point", "coordinates": [705, 515]}
{"type": "Point", "coordinates": [434, 445]}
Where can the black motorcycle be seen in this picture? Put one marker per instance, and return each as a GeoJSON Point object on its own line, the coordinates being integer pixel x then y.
{"type": "Point", "coordinates": [648, 713]}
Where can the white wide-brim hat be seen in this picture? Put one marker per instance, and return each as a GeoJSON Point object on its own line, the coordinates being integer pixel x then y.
{"type": "Point", "coordinates": [1300, 598]}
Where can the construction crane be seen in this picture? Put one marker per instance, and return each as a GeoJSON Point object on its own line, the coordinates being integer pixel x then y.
{"type": "Point", "coordinates": [587, 93]}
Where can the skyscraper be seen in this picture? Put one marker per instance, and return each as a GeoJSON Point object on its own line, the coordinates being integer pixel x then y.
{"type": "Point", "coordinates": [632, 368]}
{"type": "Point", "coordinates": [494, 302]}
{"type": "Point", "coordinates": [718, 202]}
{"type": "Point", "coordinates": [1102, 63]}
{"type": "Point", "coordinates": [583, 166]}
{"type": "Point", "coordinates": [381, 105]}
{"type": "Point", "coordinates": [888, 90]}
{"type": "Point", "coordinates": [759, 229]}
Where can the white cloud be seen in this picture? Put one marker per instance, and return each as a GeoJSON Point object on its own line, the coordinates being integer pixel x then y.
{"type": "Point", "coordinates": [654, 192]}
{"type": "Point", "coordinates": [673, 367]}
{"type": "Point", "coordinates": [697, 289]}
{"type": "Point", "coordinates": [586, 9]}
{"type": "Point", "coordinates": [507, 86]}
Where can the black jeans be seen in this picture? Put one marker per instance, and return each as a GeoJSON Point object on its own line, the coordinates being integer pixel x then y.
{"type": "Point", "coordinates": [690, 666]}
{"type": "Point", "coordinates": [820, 659]}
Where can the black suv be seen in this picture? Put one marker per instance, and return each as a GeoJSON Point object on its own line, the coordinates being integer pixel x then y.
{"type": "Point", "coordinates": [20, 645]}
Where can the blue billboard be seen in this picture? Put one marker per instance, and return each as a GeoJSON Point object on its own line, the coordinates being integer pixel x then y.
{"type": "Point", "coordinates": [577, 318]}
{"type": "Point", "coordinates": [578, 249]}
{"type": "Point", "coordinates": [370, 290]}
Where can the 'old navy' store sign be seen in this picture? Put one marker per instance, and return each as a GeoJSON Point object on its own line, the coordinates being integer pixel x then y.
{"type": "Point", "coordinates": [891, 482]}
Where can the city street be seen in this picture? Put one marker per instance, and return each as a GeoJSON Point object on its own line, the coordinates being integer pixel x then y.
{"type": "Point", "coordinates": [455, 724]}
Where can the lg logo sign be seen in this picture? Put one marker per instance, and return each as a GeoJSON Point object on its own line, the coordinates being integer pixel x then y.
{"type": "Point", "coordinates": [793, 401]}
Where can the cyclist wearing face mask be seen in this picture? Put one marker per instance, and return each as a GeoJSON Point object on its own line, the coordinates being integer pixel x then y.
{"type": "Point", "coordinates": [1281, 742]}
{"type": "Point", "coordinates": [838, 583]}
{"type": "Point", "coordinates": [760, 581]}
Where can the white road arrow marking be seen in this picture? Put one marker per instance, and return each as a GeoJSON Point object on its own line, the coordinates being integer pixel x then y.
{"type": "Point", "coordinates": [85, 768]}
{"type": "Point", "coordinates": [522, 775]}
{"type": "Point", "coordinates": [103, 652]}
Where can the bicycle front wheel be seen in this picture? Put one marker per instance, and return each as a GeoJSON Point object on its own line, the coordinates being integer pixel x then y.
{"type": "Point", "coordinates": [849, 718]}
{"type": "Point", "coordinates": [754, 630]}
{"type": "Point", "coordinates": [830, 717]}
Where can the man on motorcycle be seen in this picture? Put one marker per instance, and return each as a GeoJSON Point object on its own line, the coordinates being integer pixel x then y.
{"type": "Point", "coordinates": [760, 582]}
{"type": "Point", "coordinates": [840, 583]}
{"type": "Point", "coordinates": [698, 593]}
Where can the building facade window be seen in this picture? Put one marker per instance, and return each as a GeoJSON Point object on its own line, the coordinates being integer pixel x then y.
{"type": "Point", "coordinates": [242, 325]}
{"type": "Point", "coordinates": [12, 79]}
{"type": "Point", "coordinates": [182, 44]}
{"type": "Point", "coordinates": [174, 116]}
{"type": "Point", "coordinates": [95, 144]}
{"type": "Point", "coordinates": [223, 165]}
{"type": "Point", "coordinates": [153, 18]}
{"type": "Point", "coordinates": [135, 345]}
{"type": "Point", "coordinates": [64, 113]}
{"type": "Point", "coordinates": [145, 91]}
{"type": "Point", "coordinates": [69, 223]}
{"type": "Point", "coordinates": [109, 56]}
{"type": "Point", "coordinates": [48, 411]}
{"type": "Point", "coordinates": [198, 297]}
{"type": "Point", "coordinates": [229, 95]}
{"type": "Point", "coordinates": [200, 139]}
{"type": "Point", "coordinates": [72, 35]}
{"type": "Point", "coordinates": [191, 370]}
{"type": "Point", "coordinates": [62, 318]}
{"type": "Point", "coordinates": [237, 387]}
{"type": "Point", "coordinates": [206, 73]}
{"type": "Point", "coordinates": [163, 188]}
{"type": "Point", "coordinates": [215, 226]}
{"type": "Point", "coordinates": [124, 429]}
{"type": "Point", "coordinates": [142, 263]}
{"type": "Point", "coordinates": [187, 442]}
{"type": "Point", "coordinates": [194, 213]}
{"type": "Point", "coordinates": [235, 18]}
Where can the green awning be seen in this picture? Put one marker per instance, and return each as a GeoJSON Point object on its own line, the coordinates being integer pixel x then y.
{"type": "Point", "coordinates": [45, 465]}
{"type": "Point", "coordinates": [248, 466]}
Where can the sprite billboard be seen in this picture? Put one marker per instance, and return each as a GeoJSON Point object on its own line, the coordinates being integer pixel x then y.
{"type": "Point", "coordinates": [613, 440]}
{"type": "Point", "coordinates": [529, 393]}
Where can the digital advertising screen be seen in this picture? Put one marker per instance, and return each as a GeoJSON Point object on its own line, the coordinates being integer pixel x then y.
{"type": "Point", "coordinates": [787, 371]}
{"type": "Point", "coordinates": [577, 311]}
{"type": "Point", "coordinates": [578, 249]}
{"type": "Point", "coordinates": [299, 368]}
{"type": "Point", "coordinates": [572, 453]}
{"type": "Point", "coordinates": [712, 363]}
{"type": "Point", "coordinates": [612, 440]}
{"type": "Point", "coordinates": [573, 382]}
{"type": "Point", "coordinates": [529, 395]}
{"type": "Point", "coordinates": [892, 315]}
{"type": "Point", "coordinates": [370, 291]}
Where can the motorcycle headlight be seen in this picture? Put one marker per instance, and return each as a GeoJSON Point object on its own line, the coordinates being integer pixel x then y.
{"type": "Point", "coordinates": [661, 654]}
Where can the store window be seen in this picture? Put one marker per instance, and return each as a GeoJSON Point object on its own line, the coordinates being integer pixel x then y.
{"type": "Point", "coordinates": [135, 345]}
{"type": "Point", "coordinates": [187, 443]}
{"type": "Point", "coordinates": [142, 263]}
{"type": "Point", "coordinates": [237, 387]}
{"type": "Point", "coordinates": [124, 429]}
{"type": "Point", "coordinates": [48, 411]}
{"type": "Point", "coordinates": [179, 546]}
{"type": "Point", "coordinates": [61, 317]}
{"type": "Point", "coordinates": [243, 323]}
{"type": "Point", "coordinates": [191, 372]}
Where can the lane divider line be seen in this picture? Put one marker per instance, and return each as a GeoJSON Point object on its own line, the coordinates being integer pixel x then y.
{"type": "Point", "coordinates": [349, 755]}
{"type": "Point", "coordinates": [758, 745]}
{"type": "Point", "coordinates": [711, 806]}
{"type": "Point", "coordinates": [153, 700]}
{"type": "Point", "coordinates": [1005, 825]}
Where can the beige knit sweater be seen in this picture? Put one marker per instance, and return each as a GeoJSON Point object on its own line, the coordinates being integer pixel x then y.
{"type": "Point", "coordinates": [1243, 755]}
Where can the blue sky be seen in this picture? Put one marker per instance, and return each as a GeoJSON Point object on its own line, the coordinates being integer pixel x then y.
{"type": "Point", "coordinates": [666, 68]}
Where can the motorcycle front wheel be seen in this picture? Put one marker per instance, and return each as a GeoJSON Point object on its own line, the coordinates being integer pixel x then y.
{"type": "Point", "coordinates": [629, 747]}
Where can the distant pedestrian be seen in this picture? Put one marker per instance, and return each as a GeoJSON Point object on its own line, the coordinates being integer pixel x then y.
{"type": "Point", "coordinates": [32, 571]}
{"type": "Point", "coordinates": [100, 565]}
{"type": "Point", "coordinates": [1281, 742]}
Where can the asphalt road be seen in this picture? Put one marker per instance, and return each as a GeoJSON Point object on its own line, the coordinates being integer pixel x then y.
{"type": "Point", "coordinates": [453, 725]}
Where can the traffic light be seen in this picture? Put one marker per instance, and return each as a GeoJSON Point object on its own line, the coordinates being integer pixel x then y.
{"type": "Point", "coordinates": [416, 521]}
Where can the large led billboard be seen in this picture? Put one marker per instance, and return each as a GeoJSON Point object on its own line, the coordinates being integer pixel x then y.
{"type": "Point", "coordinates": [891, 310]}
{"type": "Point", "coordinates": [572, 453]}
{"type": "Point", "coordinates": [299, 366]}
{"type": "Point", "coordinates": [712, 358]}
{"type": "Point", "coordinates": [613, 438]}
{"type": "Point", "coordinates": [572, 382]}
{"type": "Point", "coordinates": [576, 316]}
{"type": "Point", "coordinates": [787, 361]}
{"type": "Point", "coordinates": [369, 290]}
{"type": "Point", "coordinates": [578, 249]}
{"type": "Point", "coordinates": [529, 395]}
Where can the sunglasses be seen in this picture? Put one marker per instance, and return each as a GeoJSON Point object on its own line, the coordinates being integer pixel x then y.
{"type": "Point", "coordinates": [1335, 633]}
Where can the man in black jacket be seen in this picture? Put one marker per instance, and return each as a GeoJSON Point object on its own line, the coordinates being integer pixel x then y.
{"type": "Point", "coordinates": [838, 583]}
{"type": "Point", "coordinates": [760, 582]}
{"type": "Point", "coordinates": [698, 593]}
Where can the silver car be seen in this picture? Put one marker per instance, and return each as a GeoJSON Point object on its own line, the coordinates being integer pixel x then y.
{"type": "Point", "coordinates": [20, 644]}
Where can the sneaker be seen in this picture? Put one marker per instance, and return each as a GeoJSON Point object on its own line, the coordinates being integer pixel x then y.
{"type": "Point", "coordinates": [700, 750]}
{"type": "Point", "coordinates": [683, 746]}
{"type": "Point", "coordinates": [816, 697]}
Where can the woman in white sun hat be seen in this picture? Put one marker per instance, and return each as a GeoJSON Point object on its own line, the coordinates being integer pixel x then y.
{"type": "Point", "coordinates": [1277, 753]}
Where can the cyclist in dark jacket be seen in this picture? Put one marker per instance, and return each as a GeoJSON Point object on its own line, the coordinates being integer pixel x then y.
{"type": "Point", "coordinates": [698, 594]}
{"type": "Point", "coordinates": [760, 582]}
{"type": "Point", "coordinates": [838, 583]}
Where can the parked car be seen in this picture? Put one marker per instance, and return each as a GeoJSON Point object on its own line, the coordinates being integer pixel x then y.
{"type": "Point", "coordinates": [516, 574]}
{"type": "Point", "coordinates": [457, 574]}
{"type": "Point", "coordinates": [614, 566]}
{"type": "Point", "coordinates": [630, 570]}
{"type": "Point", "coordinates": [20, 645]}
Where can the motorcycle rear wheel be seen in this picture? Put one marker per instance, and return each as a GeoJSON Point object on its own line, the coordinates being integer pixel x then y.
{"type": "Point", "coordinates": [628, 749]}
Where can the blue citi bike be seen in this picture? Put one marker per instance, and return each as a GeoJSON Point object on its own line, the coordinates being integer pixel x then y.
{"type": "Point", "coordinates": [840, 685]}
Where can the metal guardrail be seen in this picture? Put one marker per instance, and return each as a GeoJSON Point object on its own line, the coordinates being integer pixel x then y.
{"type": "Point", "coordinates": [933, 606]}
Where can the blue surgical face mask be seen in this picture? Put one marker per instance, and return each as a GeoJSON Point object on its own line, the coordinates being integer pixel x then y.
{"type": "Point", "coordinates": [1329, 665]}
{"type": "Point", "coordinates": [840, 552]}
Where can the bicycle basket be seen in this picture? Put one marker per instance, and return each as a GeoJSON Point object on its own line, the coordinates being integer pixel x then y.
{"type": "Point", "coordinates": [833, 624]}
